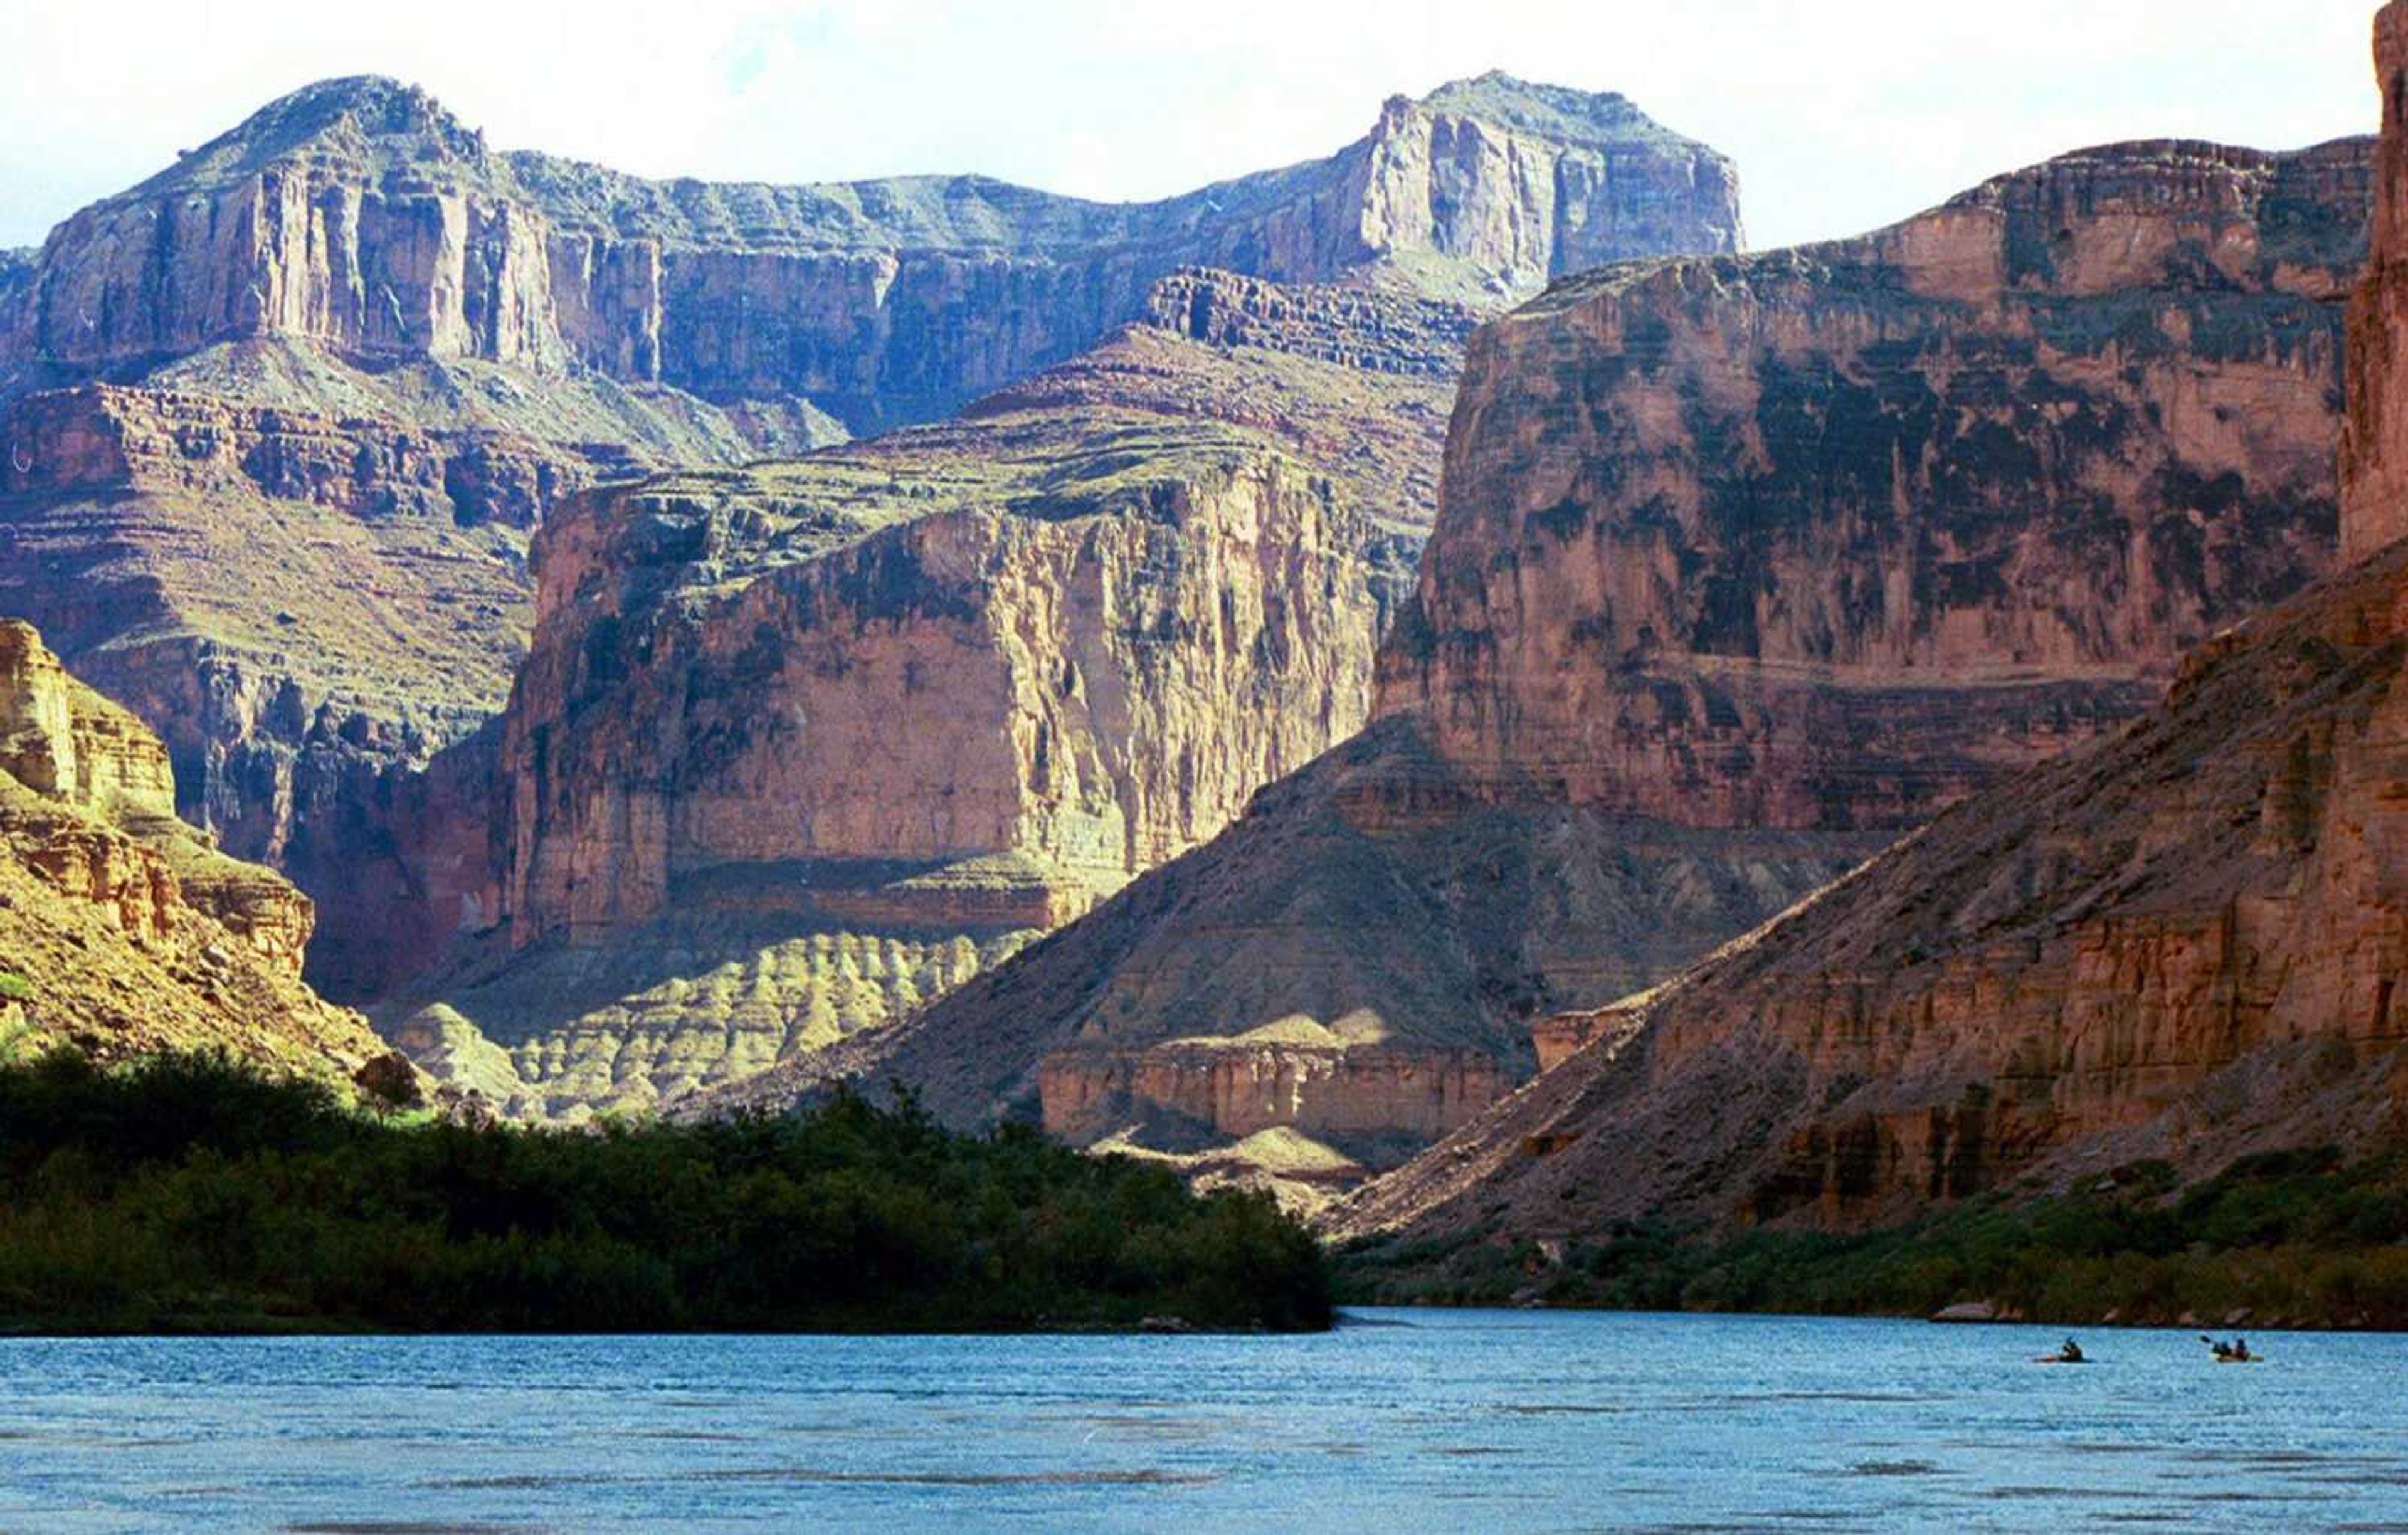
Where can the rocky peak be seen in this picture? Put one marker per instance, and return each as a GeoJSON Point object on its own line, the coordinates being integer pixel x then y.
{"type": "Point", "coordinates": [1602, 119]}
{"type": "Point", "coordinates": [1489, 187]}
{"type": "Point", "coordinates": [366, 121]}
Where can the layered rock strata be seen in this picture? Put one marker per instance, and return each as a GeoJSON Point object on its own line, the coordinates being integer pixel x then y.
{"type": "Point", "coordinates": [2373, 465]}
{"type": "Point", "coordinates": [122, 929]}
{"type": "Point", "coordinates": [359, 216]}
{"type": "Point", "coordinates": [2177, 945]}
{"type": "Point", "coordinates": [816, 742]}
{"type": "Point", "coordinates": [1744, 567]}
{"type": "Point", "coordinates": [1832, 536]}
{"type": "Point", "coordinates": [349, 351]}
{"type": "Point", "coordinates": [2181, 945]}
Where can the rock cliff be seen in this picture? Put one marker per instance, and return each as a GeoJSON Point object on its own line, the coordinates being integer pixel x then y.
{"type": "Point", "coordinates": [801, 747]}
{"type": "Point", "coordinates": [360, 216]}
{"type": "Point", "coordinates": [2373, 465]}
{"type": "Point", "coordinates": [279, 419]}
{"type": "Point", "coordinates": [122, 929]}
{"type": "Point", "coordinates": [1831, 537]}
{"type": "Point", "coordinates": [2177, 944]}
{"type": "Point", "coordinates": [2181, 943]}
{"type": "Point", "coordinates": [1744, 567]}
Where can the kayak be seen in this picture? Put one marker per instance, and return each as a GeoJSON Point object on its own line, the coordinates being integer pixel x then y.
{"type": "Point", "coordinates": [2057, 1359]}
{"type": "Point", "coordinates": [2228, 1359]}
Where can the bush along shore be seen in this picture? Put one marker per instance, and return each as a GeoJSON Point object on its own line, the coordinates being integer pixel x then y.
{"type": "Point", "coordinates": [191, 1194]}
{"type": "Point", "coordinates": [2297, 1239]}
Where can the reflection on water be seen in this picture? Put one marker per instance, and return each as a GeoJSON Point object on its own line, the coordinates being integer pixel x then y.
{"type": "Point", "coordinates": [1458, 1420]}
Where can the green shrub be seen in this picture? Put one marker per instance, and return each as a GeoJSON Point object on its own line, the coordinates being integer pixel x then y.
{"type": "Point", "coordinates": [190, 1192]}
{"type": "Point", "coordinates": [2304, 1235]}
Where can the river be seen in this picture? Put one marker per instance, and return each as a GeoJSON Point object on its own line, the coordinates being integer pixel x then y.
{"type": "Point", "coordinates": [1402, 1420]}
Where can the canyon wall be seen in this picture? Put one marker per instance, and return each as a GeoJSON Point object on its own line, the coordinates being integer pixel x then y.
{"type": "Point", "coordinates": [2373, 463]}
{"type": "Point", "coordinates": [2177, 945]}
{"type": "Point", "coordinates": [1831, 537]}
{"type": "Point", "coordinates": [360, 216]}
{"type": "Point", "coordinates": [122, 929]}
{"type": "Point", "coordinates": [1744, 567]}
{"type": "Point", "coordinates": [800, 748]}
{"type": "Point", "coordinates": [278, 420]}
{"type": "Point", "coordinates": [2181, 945]}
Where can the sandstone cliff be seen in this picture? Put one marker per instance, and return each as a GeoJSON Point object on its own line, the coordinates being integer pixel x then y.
{"type": "Point", "coordinates": [2373, 463]}
{"type": "Point", "coordinates": [1744, 567]}
{"type": "Point", "coordinates": [1829, 538]}
{"type": "Point", "coordinates": [360, 216]}
{"type": "Point", "coordinates": [278, 420]}
{"type": "Point", "coordinates": [800, 748]}
{"type": "Point", "coordinates": [2179, 944]}
{"type": "Point", "coordinates": [122, 929]}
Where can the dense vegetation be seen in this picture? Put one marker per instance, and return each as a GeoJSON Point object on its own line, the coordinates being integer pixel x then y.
{"type": "Point", "coordinates": [186, 1193]}
{"type": "Point", "coordinates": [2308, 1238]}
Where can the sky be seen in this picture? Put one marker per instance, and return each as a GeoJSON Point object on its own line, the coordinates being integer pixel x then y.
{"type": "Point", "coordinates": [1843, 115]}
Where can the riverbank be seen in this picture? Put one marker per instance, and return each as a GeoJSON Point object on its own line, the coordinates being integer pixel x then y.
{"type": "Point", "coordinates": [189, 1195]}
{"type": "Point", "coordinates": [2311, 1239]}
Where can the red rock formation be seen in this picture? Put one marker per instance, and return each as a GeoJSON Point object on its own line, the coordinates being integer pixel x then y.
{"type": "Point", "coordinates": [360, 217]}
{"type": "Point", "coordinates": [1231, 1088]}
{"type": "Point", "coordinates": [1744, 565]}
{"type": "Point", "coordinates": [1558, 1037]}
{"type": "Point", "coordinates": [2185, 942]}
{"type": "Point", "coordinates": [1831, 537]}
{"type": "Point", "coordinates": [2373, 463]}
{"type": "Point", "coordinates": [101, 437]}
{"type": "Point", "coordinates": [350, 305]}
{"type": "Point", "coordinates": [944, 689]}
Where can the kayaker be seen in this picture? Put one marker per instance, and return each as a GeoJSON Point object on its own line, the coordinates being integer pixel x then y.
{"type": "Point", "coordinates": [2071, 1354]}
{"type": "Point", "coordinates": [2240, 1348]}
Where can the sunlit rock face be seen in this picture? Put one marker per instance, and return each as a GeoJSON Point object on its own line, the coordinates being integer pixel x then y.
{"type": "Point", "coordinates": [2180, 944]}
{"type": "Point", "coordinates": [819, 741]}
{"type": "Point", "coordinates": [122, 929]}
{"type": "Point", "coordinates": [1744, 567]}
{"type": "Point", "coordinates": [1832, 537]}
{"type": "Point", "coordinates": [362, 218]}
{"type": "Point", "coordinates": [277, 421]}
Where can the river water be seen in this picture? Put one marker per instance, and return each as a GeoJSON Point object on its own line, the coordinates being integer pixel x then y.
{"type": "Point", "coordinates": [1400, 1420]}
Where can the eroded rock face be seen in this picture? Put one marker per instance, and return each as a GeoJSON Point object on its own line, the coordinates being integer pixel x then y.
{"type": "Point", "coordinates": [2181, 943]}
{"type": "Point", "coordinates": [123, 929]}
{"type": "Point", "coordinates": [282, 415]}
{"type": "Point", "coordinates": [308, 579]}
{"type": "Point", "coordinates": [1228, 1090]}
{"type": "Point", "coordinates": [1060, 657]}
{"type": "Point", "coordinates": [1744, 567]}
{"type": "Point", "coordinates": [360, 216]}
{"type": "Point", "coordinates": [1832, 537]}
{"type": "Point", "coordinates": [929, 694]}
{"type": "Point", "coordinates": [100, 438]}
{"type": "Point", "coordinates": [2373, 466]}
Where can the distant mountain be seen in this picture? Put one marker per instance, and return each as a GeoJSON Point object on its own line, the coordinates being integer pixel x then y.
{"type": "Point", "coordinates": [280, 421]}
{"type": "Point", "coordinates": [1746, 567]}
